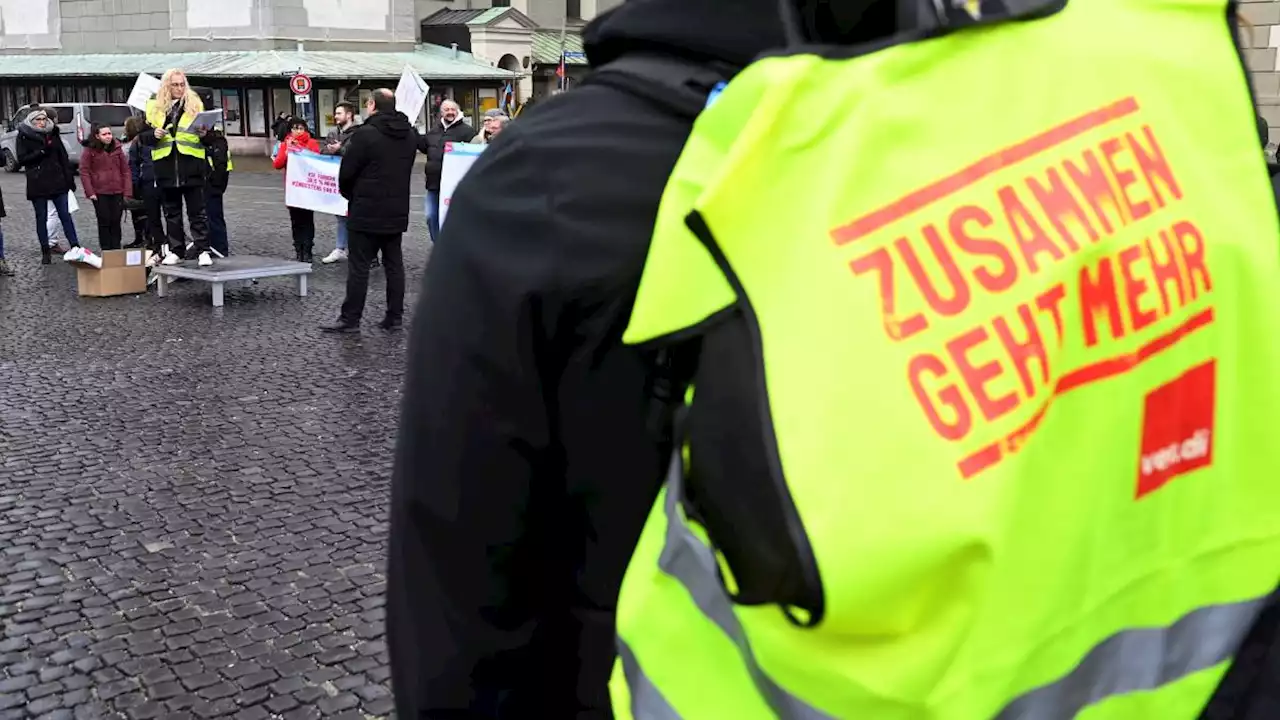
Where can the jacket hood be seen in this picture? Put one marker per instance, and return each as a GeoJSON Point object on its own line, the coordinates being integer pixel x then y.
{"type": "Point", "coordinates": [31, 131]}
{"type": "Point", "coordinates": [391, 124]}
{"type": "Point", "coordinates": [731, 31]}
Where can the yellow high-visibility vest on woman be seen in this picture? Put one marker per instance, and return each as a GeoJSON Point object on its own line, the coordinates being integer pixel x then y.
{"type": "Point", "coordinates": [1011, 290]}
{"type": "Point", "coordinates": [188, 143]}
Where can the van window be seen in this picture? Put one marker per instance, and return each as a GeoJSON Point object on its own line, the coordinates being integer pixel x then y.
{"type": "Point", "coordinates": [113, 115]}
{"type": "Point", "coordinates": [66, 113]}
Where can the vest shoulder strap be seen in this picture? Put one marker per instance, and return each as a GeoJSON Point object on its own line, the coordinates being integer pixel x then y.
{"type": "Point", "coordinates": [679, 84]}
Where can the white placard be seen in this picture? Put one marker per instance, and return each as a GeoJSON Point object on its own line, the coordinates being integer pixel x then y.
{"type": "Point", "coordinates": [311, 183]}
{"type": "Point", "coordinates": [458, 159]}
{"type": "Point", "coordinates": [411, 93]}
{"type": "Point", "coordinates": [143, 90]}
{"type": "Point", "coordinates": [133, 257]}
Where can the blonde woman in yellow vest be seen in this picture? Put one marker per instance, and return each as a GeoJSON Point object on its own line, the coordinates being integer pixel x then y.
{"type": "Point", "coordinates": [998, 441]}
{"type": "Point", "coordinates": [178, 154]}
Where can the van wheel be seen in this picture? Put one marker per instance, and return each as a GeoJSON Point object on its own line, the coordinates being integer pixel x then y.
{"type": "Point", "coordinates": [10, 162]}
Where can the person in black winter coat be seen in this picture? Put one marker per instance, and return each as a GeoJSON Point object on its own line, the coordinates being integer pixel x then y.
{"type": "Point", "coordinates": [528, 456]}
{"type": "Point", "coordinates": [50, 176]}
{"type": "Point", "coordinates": [215, 187]}
{"type": "Point", "coordinates": [376, 171]}
{"type": "Point", "coordinates": [532, 441]}
{"type": "Point", "coordinates": [451, 129]}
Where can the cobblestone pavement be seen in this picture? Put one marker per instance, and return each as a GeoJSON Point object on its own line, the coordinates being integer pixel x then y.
{"type": "Point", "coordinates": [192, 501]}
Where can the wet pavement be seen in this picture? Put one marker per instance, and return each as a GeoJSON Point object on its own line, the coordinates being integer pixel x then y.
{"type": "Point", "coordinates": [193, 500]}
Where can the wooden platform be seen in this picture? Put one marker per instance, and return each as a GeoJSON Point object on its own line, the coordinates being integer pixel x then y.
{"type": "Point", "coordinates": [232, 269]}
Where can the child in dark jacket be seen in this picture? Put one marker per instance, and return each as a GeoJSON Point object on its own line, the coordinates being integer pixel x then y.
{"type": "Point", "coordinates": [215, 187]}
{"type": "Point", "coordinates": [107, 181]}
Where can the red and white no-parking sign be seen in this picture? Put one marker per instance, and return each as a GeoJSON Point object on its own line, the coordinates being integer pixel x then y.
{"type": "Point", "coordinates": [300, 84]}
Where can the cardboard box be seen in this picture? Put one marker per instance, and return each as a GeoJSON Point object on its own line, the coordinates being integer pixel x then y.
{"type": "Point", "coordinates": [122, 273]}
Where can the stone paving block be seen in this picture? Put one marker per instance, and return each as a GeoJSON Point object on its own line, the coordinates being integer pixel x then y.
{"type": "Point", "coordinates": [208, 541]}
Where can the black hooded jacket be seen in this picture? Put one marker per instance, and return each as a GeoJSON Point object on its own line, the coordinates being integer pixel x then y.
{"type": "Point", "coordinates": [529, 455]}
{"type": "Point", "coordinates": [376, 170]}
{"type": "Point", "coordinates": [45, 161]}
{"type": "Point", "coordinates": [526, 463]}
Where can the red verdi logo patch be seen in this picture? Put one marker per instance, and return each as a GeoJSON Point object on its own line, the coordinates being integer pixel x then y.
{"type": "Point", "coordinates": [1177, 429]}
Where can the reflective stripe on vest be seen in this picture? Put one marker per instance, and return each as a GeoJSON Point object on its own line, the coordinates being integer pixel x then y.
{"type": "Point", "coordinates": [1129, 661]}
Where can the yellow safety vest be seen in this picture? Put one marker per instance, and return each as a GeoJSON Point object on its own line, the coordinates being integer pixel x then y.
{"type": "Point", "coordinates": [1012, 292]}
{"type": "Point", "coordinates": [188, 143]}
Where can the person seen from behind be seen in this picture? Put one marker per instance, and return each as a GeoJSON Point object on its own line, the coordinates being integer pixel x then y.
{"type": "Point", "coordinates": [107, 181]}
{"type": "Point", "coordinates": [302, 222]}
{"type": "Point", "coordinates": [178, 152]}
{"type": "Point", "coordinates": [347, 119]}
{"type": "Point", "coordinates": [451, 128]}
{"type": "Point", "coordinates": [529, 449]}
{"type": "Point", "coordinates": [375, 177]}
{"type": "Point", "coordinates": [5, 269]}
{"type": "Point", "coordinates": [50, 177]}
{"type": "Point", "coordinates": [215, 188]}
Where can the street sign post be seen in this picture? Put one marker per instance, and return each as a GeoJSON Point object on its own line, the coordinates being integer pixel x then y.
{"type": "Point", "coordinates": [300, 84]}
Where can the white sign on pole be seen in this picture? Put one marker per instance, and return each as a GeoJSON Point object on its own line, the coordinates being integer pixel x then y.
{"type": "Point", "coordinates": [411, 94]}
{"type": "Point", "coordinates": [302, 99]}
{"type": "Point", "coordinates": [311, 182]}
{"type": "Point", "coordinates": [143, 90]}
{"type": "Point", "coordinates": [458, 159]}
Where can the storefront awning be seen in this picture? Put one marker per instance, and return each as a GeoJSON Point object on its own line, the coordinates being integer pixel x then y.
{"type": "Point", "coordinates": [430, 61]}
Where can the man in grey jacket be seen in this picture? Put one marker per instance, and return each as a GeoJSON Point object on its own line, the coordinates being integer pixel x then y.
{"type": "Point", "coordinates": [346, 117]}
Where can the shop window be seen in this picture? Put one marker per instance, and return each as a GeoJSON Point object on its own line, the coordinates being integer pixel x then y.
{"type": "Point", "coordinates": [84, 94]}
{"type": "Point", "coordinates": [256, 111]}
{"type": "Point", "coordinates": [66, 94]}
{"type": "Point", "coordinates": [328, 98]}
{"type": "Point", "coordinates": [48, 94]}
{"type": "Point", "coordinates": [488, 100]}
{"type": "Point", "coordinates": [573, 8]}
{"type": "Point", "coordinates": [281, 102]}
{"type": "Point", "coordinates": [119, 95]}
{"type": "Point", "coordinates": [100, 94]}
{"type": "Point", "coordinates": [232, 116]}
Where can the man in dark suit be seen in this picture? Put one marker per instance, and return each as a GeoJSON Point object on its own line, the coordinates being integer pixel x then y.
{"type": "Point", "coordinates": [377, 166]}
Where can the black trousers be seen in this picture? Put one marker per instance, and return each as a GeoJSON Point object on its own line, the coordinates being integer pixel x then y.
{"type": "Point", "coordinates": [303, 224]}
{"type": "Point", "coordinates": [153, 210]}
{"type": "Point", "coordinates": [173, 198]}
{"type": "Point", "coordinates": [362, 248]}
{"type": "Point", "coordinates": [110, 210]}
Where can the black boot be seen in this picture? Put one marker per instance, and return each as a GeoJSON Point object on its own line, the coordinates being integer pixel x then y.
{"type": "Point", "coordinates": [46, 256]}
{"type": "Point", "coordinates": [307, 256]}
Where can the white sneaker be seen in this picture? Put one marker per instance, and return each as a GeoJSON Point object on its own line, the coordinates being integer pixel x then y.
{"type": "Point", "coordinates": [205, 260]}
{"type": "Point", "coordinates": [335, 256]}
{"type": "Point", "coordinates": [171, 259]}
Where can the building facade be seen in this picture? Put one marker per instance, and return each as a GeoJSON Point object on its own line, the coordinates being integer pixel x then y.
{"type": "Point", "coordinates": [1260, 43]}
